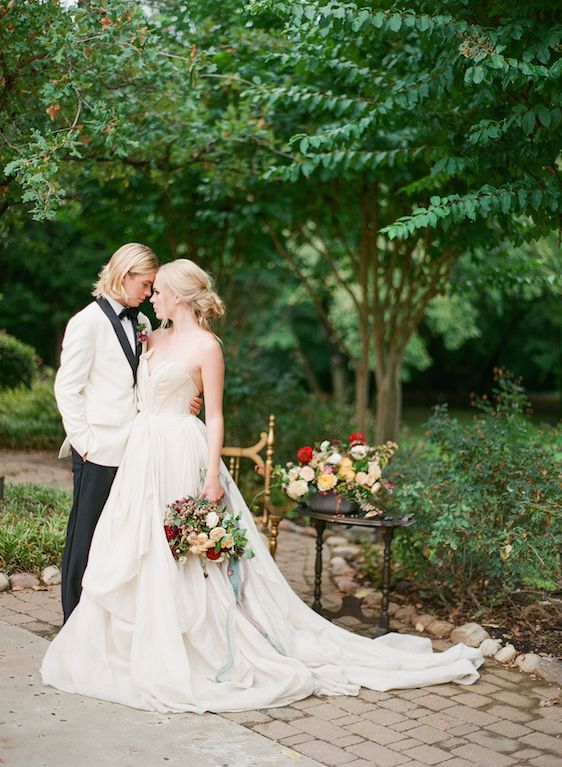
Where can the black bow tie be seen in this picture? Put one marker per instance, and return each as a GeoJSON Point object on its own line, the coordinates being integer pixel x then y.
{"type": "Point", "coordinates": [129, 312]}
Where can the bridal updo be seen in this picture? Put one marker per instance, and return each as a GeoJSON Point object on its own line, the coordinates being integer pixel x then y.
{"type": "Point", "coordinates": [194, 287]}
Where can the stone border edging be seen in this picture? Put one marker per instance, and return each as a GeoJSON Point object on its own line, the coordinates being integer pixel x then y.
{"type": "Point", "coordinates": [344, 572]}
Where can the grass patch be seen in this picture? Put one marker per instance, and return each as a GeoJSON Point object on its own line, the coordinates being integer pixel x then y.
{"type": "Point", "coordinates": [29, 418]}
{"type": "Point", "coordinates": [33, 522]}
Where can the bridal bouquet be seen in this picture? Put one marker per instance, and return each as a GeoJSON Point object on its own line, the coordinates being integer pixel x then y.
{"type": "Point", "coordinates": [349, 469]}
{"type": "Point", "coordinates": [196, 527]}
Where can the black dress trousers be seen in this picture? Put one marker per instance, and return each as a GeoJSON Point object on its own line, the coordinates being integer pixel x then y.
{"type": "Point", "coordinates": [92, 484]}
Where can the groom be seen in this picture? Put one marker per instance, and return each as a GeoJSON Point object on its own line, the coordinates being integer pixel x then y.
{"type": "Point", "coordinates": [95, 389]}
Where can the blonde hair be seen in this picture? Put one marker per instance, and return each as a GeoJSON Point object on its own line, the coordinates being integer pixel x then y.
{"type": "Point", "coordinates": [194, 287]}
{"type": "Point", "coordinates": [132, 258]}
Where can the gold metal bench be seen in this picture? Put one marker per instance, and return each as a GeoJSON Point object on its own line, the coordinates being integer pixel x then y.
{"type": "Point", "coordinates": [267, 519]}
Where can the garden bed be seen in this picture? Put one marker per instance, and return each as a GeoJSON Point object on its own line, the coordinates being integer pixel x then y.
{"type": "Point", "coordinates": [532, 622]}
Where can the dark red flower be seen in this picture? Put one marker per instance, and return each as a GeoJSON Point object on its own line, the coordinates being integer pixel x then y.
{"type": "Point", "coordinates": [212, 554]}
{"type": "Point", "coordinates": [171, 532]}
{"type": "Point", "coordinates": [336, 442]}
{"type": "Point", "coordinates": [304, 455]}
{"type": "Point", "coordinates": [356, 438]}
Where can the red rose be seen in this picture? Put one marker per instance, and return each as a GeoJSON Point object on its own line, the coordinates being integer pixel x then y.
{"type": "Point", "coordinates": [212, 554]}
{"type": "Point", "coordinates": [356, 438]}
{"type": "Point", "coordinates": [304, 455]}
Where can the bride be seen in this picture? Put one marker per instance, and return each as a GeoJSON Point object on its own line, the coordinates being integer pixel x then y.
{"type": "Point", "coordinates": [155, 634]}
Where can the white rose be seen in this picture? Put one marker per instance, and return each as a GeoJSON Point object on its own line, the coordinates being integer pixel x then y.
{"type": "Point", "coordinates": [307, 474]}
{"type": "Point", "coordinates": [334, 458]}
{"type": "Point", "coordinates": [297, 488]}
{"type": "Point", "coordinates": [376, 487]}
{"type": "Point", "coordinates": [374, 470]}
{"type": "Point", "coordinates": [212, 519]}
{"type": "Point", "coordinates": [294, 472]}
{"type": "Point", "coordinates": [324, 445]}
{"type": "Point", "coordinates": [362, 478]}
{"type": "Point", "coordinates": [359, 451]}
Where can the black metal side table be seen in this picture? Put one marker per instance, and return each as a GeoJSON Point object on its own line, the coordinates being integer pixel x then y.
{"type": "Point", "coordinates": [351, 605]}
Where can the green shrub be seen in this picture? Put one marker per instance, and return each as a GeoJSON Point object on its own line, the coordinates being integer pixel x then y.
{"type": "Point", "coordinates": [18, 362]}
{"type": "Point", "coordinates": [33, 522]}
{"type": "Point", "coordinates": [301, 418]}
{"type": "Point", "coordinates": [29, 418]}
{"type": "Point", "coordinates": [487, 499]}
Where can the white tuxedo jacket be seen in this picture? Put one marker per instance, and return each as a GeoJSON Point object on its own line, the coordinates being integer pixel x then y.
{"type": "Point", "coordinates": [94, 388]}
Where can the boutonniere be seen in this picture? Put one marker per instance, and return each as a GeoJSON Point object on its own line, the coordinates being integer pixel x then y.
{"type": "Point", "coordinates": [142, 332]}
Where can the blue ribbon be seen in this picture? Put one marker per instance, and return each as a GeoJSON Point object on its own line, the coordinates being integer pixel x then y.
{"type": "Point", "coordinates": [234, 577]}
{"type": "Point", "coordinates": [235, 582]}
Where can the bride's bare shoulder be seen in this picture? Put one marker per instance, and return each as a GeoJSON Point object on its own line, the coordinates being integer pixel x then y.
{"type": "Point", "coordinates": [209, 343]}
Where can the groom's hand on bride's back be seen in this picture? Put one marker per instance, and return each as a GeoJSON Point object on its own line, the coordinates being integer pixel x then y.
{"type": "Point", "coordinates": [196, 404]}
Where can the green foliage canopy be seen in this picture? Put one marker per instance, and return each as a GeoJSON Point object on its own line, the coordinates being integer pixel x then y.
{"type": "Point", "coordinates": [461, 99]}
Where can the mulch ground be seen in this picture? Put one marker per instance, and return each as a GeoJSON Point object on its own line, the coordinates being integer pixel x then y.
{"type": "Point", "coordinates": [531, 622]}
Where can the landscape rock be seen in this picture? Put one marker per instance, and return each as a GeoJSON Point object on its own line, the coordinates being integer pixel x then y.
{"type": "Point", "coordinates": [421, 622]}
{"type": "Point", "coordinates": [440, 644]}
{"type": "Point", "coordinates": [393, 608]}
{"type": "Point", "coordinates": [51, 576]}
{"type": "Point", "coordinates": [506, 654]}
{"type": "Point", "coordinates": [528, 662]}
{"type": "Point", "coordinates": [440, 629]}
{"type": "Point", "coordinates": [405, 613]}
{"type": "Point", "coordinates": [21, 581]}
{"type": "Point", "coordinates": [490, 647]}
{"type": "Point", "coordinates": [336, 540]}
{"type": "Point", "coordinates": [363, 593]}
{"type": "Point", "coordinates": [4, 582]}
{"type": "Point", "coordinates": [310, 531]}
{"type": "Point", "coordinates": [340, 566]}
{"type": "Point", "coordinates": [471, 634]}
{"type": "Point", "coordinates": [373, 599]}
{"type": "Point", "coordinates": [348, 552]}
{"type": "Point", "coordinates": [346, 585]}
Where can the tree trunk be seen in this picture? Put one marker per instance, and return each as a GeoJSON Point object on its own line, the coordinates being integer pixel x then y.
{"type": "Point", "coordinates": [362, 372]}
{"type": "Point", "coordinates": [361, 396]}
{"type": "Point", "coordinates": [389, 403]}
{"type": "Point", "coordinates": [339, 383]}
{"type": "Point", "coordinates": [309, 374]}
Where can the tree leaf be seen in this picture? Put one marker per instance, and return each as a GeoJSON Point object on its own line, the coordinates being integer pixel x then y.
{"type": "Point", "coordinates": [528, 122]}
{"type": "Point", "coordinates": [478, 75]}
{"type": "Point", "coordinates": [544, 115]}
{"type": "Point", "coordinates": [395, 22]}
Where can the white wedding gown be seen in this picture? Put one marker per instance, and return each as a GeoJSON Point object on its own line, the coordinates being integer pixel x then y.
{"type": "Point", "coordinates": [153, 634]}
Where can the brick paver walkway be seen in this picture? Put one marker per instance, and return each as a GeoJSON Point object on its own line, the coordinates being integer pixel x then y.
{"type": "Point", "coordinates": [497, 722]}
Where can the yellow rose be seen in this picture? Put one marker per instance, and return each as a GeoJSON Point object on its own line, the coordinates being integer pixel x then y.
{"type": "Point", "coordinates": [327, 481]}
{"type": "Point", "coordinates": [346, 463]}
{"type": "Point", "coordinates": [347, 474]}
{"type": "Point", "coordinates": [227, 542]}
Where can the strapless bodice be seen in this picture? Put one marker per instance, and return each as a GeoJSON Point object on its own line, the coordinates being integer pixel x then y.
{"type": "Point", "coordinates": [164, 390]}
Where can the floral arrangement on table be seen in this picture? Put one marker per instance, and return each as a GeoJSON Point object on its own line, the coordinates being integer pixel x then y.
{"type": "Point", "coordinates": [351, 470]}
{"type": "Point", "coordinates": [196, 527]}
